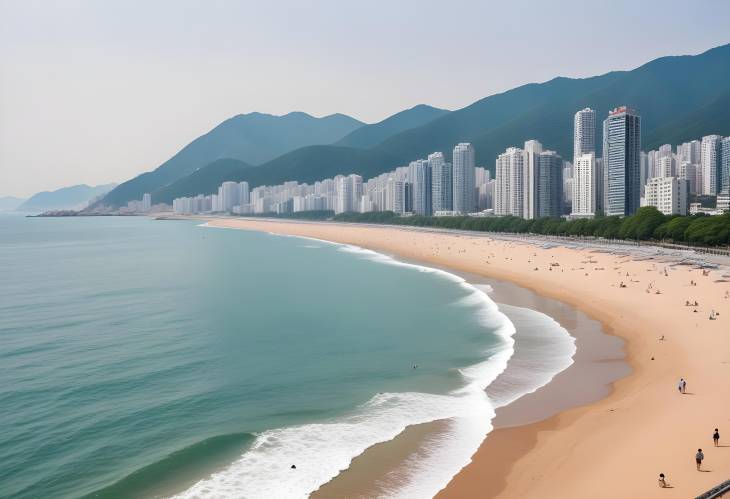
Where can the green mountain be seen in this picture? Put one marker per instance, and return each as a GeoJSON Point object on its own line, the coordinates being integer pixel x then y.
{"type": "Point", "coordinates": [9, 203]}
{"type": "Point", "coordinates": [252, 138]}
{"type": "Point", "coordinates": [74, 197]}
{"type": "Point", "coordinates": [666, 90]}
{"type": "Point", "coordinates": [679, 98]}
{"type": "Point", "coordinates": [372, 135]}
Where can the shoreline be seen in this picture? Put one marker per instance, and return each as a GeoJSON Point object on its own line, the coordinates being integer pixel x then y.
{"type": "Point", "coordinates": [597, 353]}
{"type": "Point", "coordinates": [642, 427]}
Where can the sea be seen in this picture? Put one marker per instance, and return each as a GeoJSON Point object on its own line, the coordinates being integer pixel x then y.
{"type": "Point", "coordinates": [142, 358]}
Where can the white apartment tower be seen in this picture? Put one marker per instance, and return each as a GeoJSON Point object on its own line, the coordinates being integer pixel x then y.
{"type": "Point", "coordinates": [349, 192]}
{"type": "Point", "coordinates": [533, 148]}
{"type": "Point", "coordinates": [509, 183]}
{"type": "Point", "coordinates": [146, 202]}
{"type": "Point", "coordinates": [710, 164]}
{"type": "Point", "coordinates": [584, 186]}
{"type": "Point", "coordinates": [441, 182]}
{"type": "Point", "coordinates": [584, 134]}
{"type": "Point", "coordinates": [228, 195]}
{"type": "Point", "coordinates": [244, 193]}
{"type": "Point", "coordinates": [421, 179]}
{"type": "Point", "coordinates": [668, 195]}
{"type": "Point", "coordinates": [464, 162]}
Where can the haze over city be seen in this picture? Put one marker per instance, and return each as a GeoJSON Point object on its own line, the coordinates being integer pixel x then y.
{"type": "Point", "coordinates": [100, 92]}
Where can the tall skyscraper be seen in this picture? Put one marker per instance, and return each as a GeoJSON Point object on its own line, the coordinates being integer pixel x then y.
{"type": "Point", "coordinates": [464, 162]}
{"type": "Point", "coordinates": [509, 183]}
{"type": "Point", "coordinates": [244, 193]}
{"type": "Point", "coordinates": [688, 172]}
{"type": "Point", "coordinates": [710, 161]}
{"type": "Point", "coordinates": [725, 165]}
{"type": "Point", "coordinates": [542, 192]}
{"type": "Point", "coordinates": [349, 192]}
{"type": "Point", "coordinates": [441, 182]}
{"type": "Point", "coordinates": [549, 194]}
{"type": "Point", "coordinates": [622, 161]}
{"type": "Point", "coordinates": [531, 177]}
{"type": "Point", "coordinates": [584, 134]}
{"type": "Point", "coordinates": [584, 186]}
{"type": "Point", "coordinates": [228, 193]}
{"type": "Point", "coordinates": [146, 202]}
{"type": "Point", "coordinates": [422, 180]}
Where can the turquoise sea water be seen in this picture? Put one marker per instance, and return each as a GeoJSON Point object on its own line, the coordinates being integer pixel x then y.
{"type": "Point", "coordinates": [137, 357]}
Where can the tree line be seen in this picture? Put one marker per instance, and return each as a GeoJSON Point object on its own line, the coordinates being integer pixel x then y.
{"type": "Point", "coordinates": [648, 224]}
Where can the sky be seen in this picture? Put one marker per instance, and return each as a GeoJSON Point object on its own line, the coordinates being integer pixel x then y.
{"type": "Point", "coordinates": [100, 91]}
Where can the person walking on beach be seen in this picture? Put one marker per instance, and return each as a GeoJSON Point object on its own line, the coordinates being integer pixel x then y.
{"type": "Point", "coordinates": [716, 438]}
{"type": "Point", "coordinates": [684, 386]}
{"type": "Point", "coordinates": [680, 384]}
{"type": "Point", "coordinates": [698, 458]}
{"type": "Point", "coordinates": [663, 481]}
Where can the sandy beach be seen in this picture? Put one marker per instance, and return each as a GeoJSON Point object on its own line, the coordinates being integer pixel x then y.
{"type": "Point", "coordinates": [618, 445]}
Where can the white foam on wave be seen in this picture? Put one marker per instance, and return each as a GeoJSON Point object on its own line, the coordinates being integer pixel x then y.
{"type": "Point", "coordinates": [321, 451]}
{"type": "Point", "coordinates": [545, 349]}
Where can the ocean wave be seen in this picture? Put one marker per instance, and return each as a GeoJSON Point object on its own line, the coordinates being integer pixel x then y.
{"type": "Point", "coordinates": [321, 451]}
{"type": "Point", "coordinates": [545, 348]}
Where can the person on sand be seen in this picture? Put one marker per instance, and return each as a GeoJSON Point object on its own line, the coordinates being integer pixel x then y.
{"type": "Point", "coordinates": [716, 438]}
{"type": "Point", "coordinates": [679, 384]}
{"type": "Point", "coordinates": [698, 458]}
{"type": "Point", "coordinates": [684, 386]}
{"type": "Point", "coordinates": [663, 481]}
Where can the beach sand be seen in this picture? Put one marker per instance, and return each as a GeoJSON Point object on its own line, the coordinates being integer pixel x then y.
{"type": "Point", "coordinates": [616, 446]}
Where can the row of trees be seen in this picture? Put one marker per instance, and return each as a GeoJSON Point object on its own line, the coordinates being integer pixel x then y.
{"type": "Point", "coordinates": [648, 224]}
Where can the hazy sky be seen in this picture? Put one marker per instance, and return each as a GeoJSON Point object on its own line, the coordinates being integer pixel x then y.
{"type": "Point", "coordinates": [99, 91]}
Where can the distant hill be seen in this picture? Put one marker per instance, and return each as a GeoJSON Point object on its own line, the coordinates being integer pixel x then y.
{"type": "Point", "coordinates": [9, 203]}
{"type": "Point", "coordinates": [252, 138]}
{"type": "Point", "coordinates": [371, 135]}
{"type": "Point", "coordinates": [75, 197]}
{"type": "Point", "coordinates": [329, 160]}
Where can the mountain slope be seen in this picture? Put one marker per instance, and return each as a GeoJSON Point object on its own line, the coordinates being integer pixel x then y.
{"type": "Point", "coordinates": [712, 118]}
{"type": "Point", "coordinates": [371, 135]}
{"type": "Point", "coordinates": [253, 138]}
{"type": "Point", "coordinates": [67, 198]}
{"type": "Point", "coordinates": [203, 181]}
{"type": "Point", "coordinates": [664, 90]}
{"type": "Point", "coordinates": [329, 161]}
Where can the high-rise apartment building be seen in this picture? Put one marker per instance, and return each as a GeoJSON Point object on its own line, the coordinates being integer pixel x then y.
{"type": "Point", "coordinates": [725, 165]}
{"type": "Point", "coordinates": [421, 179]}
{"type": "Point", "coordinates": [531, 177]}
{"type": "Point", "coordinates": [710, 161]}
{"type": "Point", "coordinates": [549, 192]}
{"type": "Point", "coordinates": [509, 183]}
{"type": "Point", "coordinates": [668, 194]}
{"type": "Point", "coordinates": [146, 202]}
{"type": "Point", "coordinates": [622, 162]}
{"type": "Point", "coordinates": [228, 194]}
{"type": "Point", "coordinates": [441, 182]}
{"type": "Point", "coordinates": [584, 186]}
{"type": "Point", "coordinates": [244, 193]}
{"type": "Point", "coordinates": [584, 133]}
{"type": "Point", "coordinates": [464, 162]}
